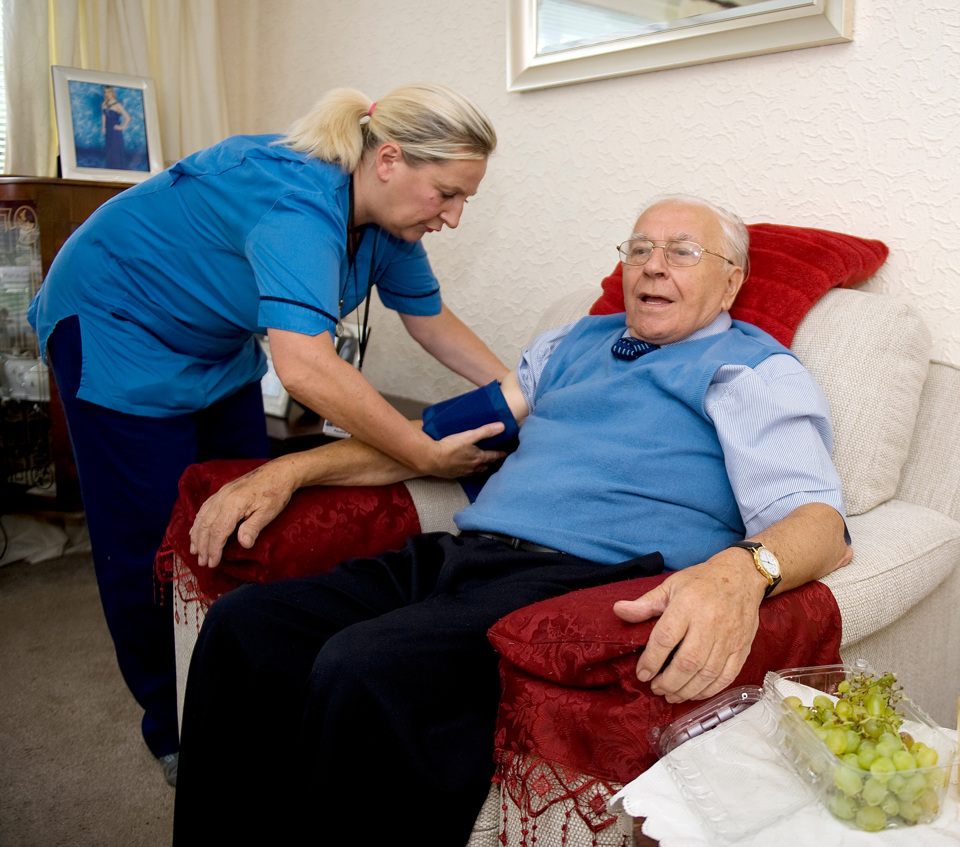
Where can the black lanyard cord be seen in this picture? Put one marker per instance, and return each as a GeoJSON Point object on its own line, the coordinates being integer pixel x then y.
{"type": "Point", "coordinates": [365, 332]}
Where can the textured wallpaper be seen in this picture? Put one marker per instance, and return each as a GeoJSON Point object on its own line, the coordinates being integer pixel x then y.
{"type": "Point", "coordinates": [862, 138]}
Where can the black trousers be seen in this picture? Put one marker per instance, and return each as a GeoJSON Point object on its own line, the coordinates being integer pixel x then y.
{"type": "Point", "coordinates": [340, 708]}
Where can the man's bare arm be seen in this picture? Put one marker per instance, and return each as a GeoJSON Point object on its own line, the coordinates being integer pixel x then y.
{"type": "Point", "coordinates": [711, 610]}
{"type": "Point", "coordinates": [250, 502]}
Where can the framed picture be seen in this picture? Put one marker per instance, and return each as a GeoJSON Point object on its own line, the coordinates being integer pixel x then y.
{"type": "Point", "coordinates": [108, 125]}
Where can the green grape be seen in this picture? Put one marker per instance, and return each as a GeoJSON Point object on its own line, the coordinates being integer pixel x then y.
{"type": "Point", "coordinates": [891, 738]}
{"type": "Point", "coordinates": [926, 758]}
{"type": "Point", "coordinates": [866, 754]}
{"type": "Point", "coordinates": [853, 740]}
{"type": "Point", "coordinates": [821, 701]}
{"type": "Point", "coordinates": [896, 783]}
{"type": "Point", "coordinates": [929, 802]}
{"type": "Point", "coordinates": [876, 705]}
{"type": "Point", "coordinates": [871, 818]}
{"type": "Point", "coordinates": [891, 805]}
{"type": "Point", "coordinates": [913, 787]}
{"type": "Point", "coordinates": [848, 781]}
{"type": "Point", "coordinates": [844, 807]}
{"type": "Point", "coordinates": [874, 792]}
{"type": "Point", "coordinates": [882, 767]}
{"type": "Point", "coordinates": [903, 761]}
{"type": "Point", "coordinates": [837, 741]}
{"type": "Point", "coordinates": [793, 702]}
{"type": "Point", "coordinates": [910, 811]}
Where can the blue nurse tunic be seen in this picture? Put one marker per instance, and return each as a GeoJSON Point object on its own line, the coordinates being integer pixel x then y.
{"type": "Point", "coordinates": [172, 278]}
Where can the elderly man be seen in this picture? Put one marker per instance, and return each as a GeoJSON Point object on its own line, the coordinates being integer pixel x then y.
{"type": "Point", "coordinates": [668, 436]}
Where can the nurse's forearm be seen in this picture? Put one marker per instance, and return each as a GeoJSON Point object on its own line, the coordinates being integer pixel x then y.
{"type": "Point", "coordinates": [451, 342]}
{"type": "Point", "coordinates": [315, 376]}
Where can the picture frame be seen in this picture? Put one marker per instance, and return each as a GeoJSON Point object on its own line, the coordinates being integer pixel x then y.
{"type": "Point", "coordinates": [108, 125]}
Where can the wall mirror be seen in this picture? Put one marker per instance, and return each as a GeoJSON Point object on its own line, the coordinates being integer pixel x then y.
{"type": "Point", "coordinates": [559, 42]}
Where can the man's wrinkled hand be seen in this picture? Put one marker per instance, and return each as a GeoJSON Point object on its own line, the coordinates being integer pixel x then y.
{"type": "Point", "coordinates": [708, 619]}
{"type": "Point", "coordinates": [247, 505]}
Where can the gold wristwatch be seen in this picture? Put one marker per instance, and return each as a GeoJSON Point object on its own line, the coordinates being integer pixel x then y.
{"type": "Point", "coordinates": [766, 562]}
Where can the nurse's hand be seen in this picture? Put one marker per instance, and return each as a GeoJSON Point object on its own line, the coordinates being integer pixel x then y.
{"type": "Point", "coordinates": [247, 505]}
{"type": "Point", "coordinates": [458, 455]}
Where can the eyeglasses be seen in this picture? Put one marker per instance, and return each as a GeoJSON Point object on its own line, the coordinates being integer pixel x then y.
{"type": "Point", "coordinates": [679, 254]}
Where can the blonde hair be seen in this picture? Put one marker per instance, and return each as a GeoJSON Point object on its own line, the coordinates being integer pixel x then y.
{"type": "Point", "coordinates": [430, 123]}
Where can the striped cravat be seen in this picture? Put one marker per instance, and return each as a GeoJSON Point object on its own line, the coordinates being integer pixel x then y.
{"type": "Point", "coordinates": [629, 348]}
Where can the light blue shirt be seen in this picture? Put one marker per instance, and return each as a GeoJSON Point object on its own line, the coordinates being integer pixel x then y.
{"type": "Point", "coordinates": [773, 423]}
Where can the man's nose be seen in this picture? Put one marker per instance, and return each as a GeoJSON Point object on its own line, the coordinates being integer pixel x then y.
{"type": "Point", "coordinates": [657, 263]}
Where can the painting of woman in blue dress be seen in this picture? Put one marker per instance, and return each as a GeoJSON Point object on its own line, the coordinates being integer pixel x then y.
{"type": "Point", "coordinates": [115, 119]}
{"type": "Point", "coordinates": [109, 130]}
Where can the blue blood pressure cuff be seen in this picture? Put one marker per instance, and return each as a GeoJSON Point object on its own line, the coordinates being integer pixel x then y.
{"type": "Point", "coordinates": [471, 410]}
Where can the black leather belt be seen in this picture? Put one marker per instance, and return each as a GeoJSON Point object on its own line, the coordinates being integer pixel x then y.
{"type": "Point", "coordinates": [510, 541]}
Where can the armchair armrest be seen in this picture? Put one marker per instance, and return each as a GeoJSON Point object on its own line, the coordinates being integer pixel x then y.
{"type": "Point", "coordinates": [570, 692]}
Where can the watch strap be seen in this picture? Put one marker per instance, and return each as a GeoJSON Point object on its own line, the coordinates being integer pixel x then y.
{"type": "Point", "coordinates": [754, 547]}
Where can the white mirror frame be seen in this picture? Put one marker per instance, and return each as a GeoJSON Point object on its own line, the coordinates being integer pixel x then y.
{"type": "Point", "coordinates": [810, 24]}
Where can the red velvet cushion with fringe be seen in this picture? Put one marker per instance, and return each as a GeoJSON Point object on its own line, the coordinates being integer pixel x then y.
{"type": "Point", "coordinates": [791, 268]}
{"type": "Point", "coordinates": [319, 528]}
{"type": "Point", "coordinates": [568, 669]}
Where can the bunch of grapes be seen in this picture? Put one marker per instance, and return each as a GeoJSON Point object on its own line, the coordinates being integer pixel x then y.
{"type": "Point", "coordinates": [882, 773]}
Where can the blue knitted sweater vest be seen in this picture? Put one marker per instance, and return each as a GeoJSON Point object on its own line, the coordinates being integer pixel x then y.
{"type": "Point", "coordinates": [618, 458]}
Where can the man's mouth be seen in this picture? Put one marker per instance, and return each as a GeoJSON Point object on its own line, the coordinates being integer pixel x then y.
{"type": "Point", "coordinates": [653, 300]}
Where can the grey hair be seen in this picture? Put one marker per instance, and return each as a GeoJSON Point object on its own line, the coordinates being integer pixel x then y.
{"type": "Point", "coordinates": [736, 238]}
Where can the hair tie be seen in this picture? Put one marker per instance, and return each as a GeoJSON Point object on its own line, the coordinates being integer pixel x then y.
{"type": "Point", "coordinates": [373, 106]}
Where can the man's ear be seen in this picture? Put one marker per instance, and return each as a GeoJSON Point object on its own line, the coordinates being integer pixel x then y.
{"type": "Point", "coordinates": [734, 281]}
{"type": "Point", "coordinates": [387, 158]}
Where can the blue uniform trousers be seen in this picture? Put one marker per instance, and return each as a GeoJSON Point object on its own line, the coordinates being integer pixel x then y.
{"type": "Point", "coordinates": [129, 468]}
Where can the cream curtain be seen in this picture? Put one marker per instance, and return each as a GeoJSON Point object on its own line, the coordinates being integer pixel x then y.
{"type": "Point", "coordinates": [176, 42]}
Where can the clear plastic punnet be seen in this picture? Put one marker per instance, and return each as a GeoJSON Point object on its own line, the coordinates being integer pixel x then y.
{"type": "Point", "coordinates": [748, 758]}
{"type": "Point", "coordinates": [882, 787]}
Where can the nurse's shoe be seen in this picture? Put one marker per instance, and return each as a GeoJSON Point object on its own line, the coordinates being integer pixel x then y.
{"type": "Point", "coordinates": [170, 762]}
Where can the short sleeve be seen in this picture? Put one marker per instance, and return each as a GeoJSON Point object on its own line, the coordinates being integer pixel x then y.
{"type": "Point", "coordinates": [407, 283]}
{"type": "Point", "coordinates": [296, 251]}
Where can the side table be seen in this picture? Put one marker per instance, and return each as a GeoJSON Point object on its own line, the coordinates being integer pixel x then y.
{"type": "Point", "coordinates": [639, 839]}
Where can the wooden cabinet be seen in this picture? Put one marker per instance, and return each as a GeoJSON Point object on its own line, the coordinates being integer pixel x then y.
{"type": "Point", "coordinates": [38, 217]}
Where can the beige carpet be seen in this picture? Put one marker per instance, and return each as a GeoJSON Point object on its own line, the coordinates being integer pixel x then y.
{"type": "Point", "coordinates": [74, 770]}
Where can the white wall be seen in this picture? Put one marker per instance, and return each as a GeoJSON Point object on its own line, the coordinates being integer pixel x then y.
{"type": "Point", "coordinates": [862, 138]}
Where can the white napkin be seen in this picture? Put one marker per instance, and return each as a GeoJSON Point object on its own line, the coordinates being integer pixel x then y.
{"type": "Point", "coordinates": [805, 822]}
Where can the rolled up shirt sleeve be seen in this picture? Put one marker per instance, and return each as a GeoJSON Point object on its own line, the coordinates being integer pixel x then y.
{"type": "Point", "coordinates": [773, 422]}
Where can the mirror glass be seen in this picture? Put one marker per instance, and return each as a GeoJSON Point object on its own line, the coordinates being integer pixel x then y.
{"type": "Point", "coordinates": [567, 24]}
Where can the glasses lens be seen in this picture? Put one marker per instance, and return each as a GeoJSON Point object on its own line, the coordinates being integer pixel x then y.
{"type": "Point", "coordinates": [636, 252]}
{"type": "Point", "coordinates": [682, 254]}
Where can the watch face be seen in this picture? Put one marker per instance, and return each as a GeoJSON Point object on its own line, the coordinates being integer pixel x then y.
{"type": "Point", "coordinates": [769, 562]}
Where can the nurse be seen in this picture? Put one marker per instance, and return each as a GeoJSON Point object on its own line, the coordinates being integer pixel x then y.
{"type": "Point", "coordinates": [149, 315]}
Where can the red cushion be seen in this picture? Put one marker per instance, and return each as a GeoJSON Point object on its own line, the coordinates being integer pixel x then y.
{"type": "Point", "coordinates": [319, 528]}
{"type": "Point", "coordinates": [791, 268]}
{"type": "Point", "coordinates": [568, 669]}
